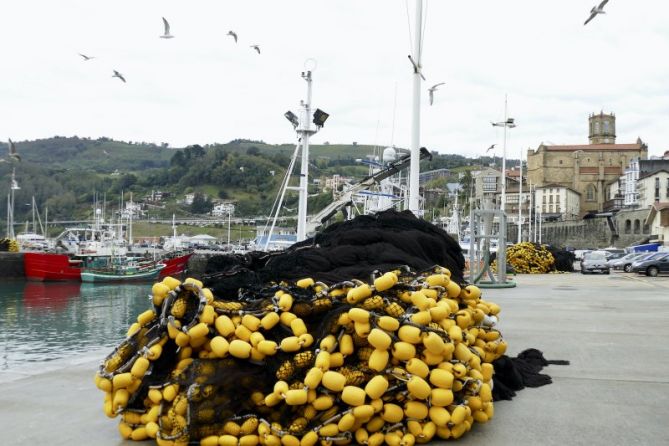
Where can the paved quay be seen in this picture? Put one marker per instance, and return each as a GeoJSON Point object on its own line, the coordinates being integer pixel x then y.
{"type": "Point", "coordinates": [614, 330]}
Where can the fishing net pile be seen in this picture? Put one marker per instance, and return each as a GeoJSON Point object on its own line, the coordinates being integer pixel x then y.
{"type": "Point", "coordinates": [564, 260]}
{"type": "Point", "coordinates": [8, 245]}
{"type": "Point", "coordinates": [401, 359]}
{"type": "Point", "coordinates": [529, 258]}
{"type": "Point", "coordinates": [280, 350]}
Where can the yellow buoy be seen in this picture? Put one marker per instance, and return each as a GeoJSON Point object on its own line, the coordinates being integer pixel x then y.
{"type": "Point", "coordinates": [376, 387]}
{"type": "Point", "coordinates": [353, 395]}
{"type": "Point", "coordinates": [403, 351]}
{"type": "Point", "coordinates": [378, 360]}
{"type": "Point", "coordinates": [296, 397]}
{"type": "Point", "coordinates": [417, 367]}
{"type": "Point", "coordinates": [240, 349]}
{"type": "Point", "coordinates": [333, 381]}
{"type": "Point", "coordinates": [418, 387]}
{"type": "Point", "coordinates": [386, 281]}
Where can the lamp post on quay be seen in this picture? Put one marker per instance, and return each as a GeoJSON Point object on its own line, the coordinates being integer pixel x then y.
{"type": "Point", "coordinates": [507, 123]}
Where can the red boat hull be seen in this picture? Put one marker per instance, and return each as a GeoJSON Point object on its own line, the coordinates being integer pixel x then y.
{"type": "Point", "coordinates": [48, 267]}
{"type": "Point", "coordinates": [175, 266]}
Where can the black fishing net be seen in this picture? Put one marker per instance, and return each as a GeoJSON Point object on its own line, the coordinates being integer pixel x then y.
{"type": "Point", "coordinates": [304, 347]}
{"type": "Point", "coordinates": [346, 250]}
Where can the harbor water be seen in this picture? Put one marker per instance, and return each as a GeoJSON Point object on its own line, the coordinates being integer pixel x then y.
{"type": "Point", "coordinates": [43, 325]}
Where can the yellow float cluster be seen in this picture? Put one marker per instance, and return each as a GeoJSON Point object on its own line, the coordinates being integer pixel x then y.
{"type": "Point", "coordinates": [404, 359]}
{"type": "Point", "coordinates": [529, 258]}
{"type": "Point", "coordinates": [8, 245]}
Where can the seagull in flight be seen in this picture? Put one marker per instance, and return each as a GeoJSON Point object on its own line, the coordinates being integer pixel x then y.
{"type": "Point", "coordinates": [233, 34]}
{"type": "Point", "coordinates": [119, 75]}
{"type": "Point", "coordinates": [167, 34]}
{"type": "Point", "coordinates": [596, 10]}
{"type": "Point", "coordinates": [490, 148]}
{"type": "Point", "coordinates": [256, 47]}
{"type": "Point", "coordinates": [12, 151]}
{"type": "Point", "coordinates": [86, 58]}
{"type": "Point", "coordinates": [432, 89]}
{"type": "Point", "coordinates": [416, 67]}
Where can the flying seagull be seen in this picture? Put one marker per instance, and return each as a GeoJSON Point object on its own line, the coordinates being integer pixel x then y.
{"type": "Point", "coordinates": [12, 151]}
{"type": "Point", "coordinates": [118, 75]}
{"type": "Point", "coordinates": [233, 34]}
{"type": "Point", "coordinates": [596, 10]}
{"type": "Point", "coordinates": [86, 58]}
{"type": "Point", "coordinates": [490, 148]}
{"type": "Point", "coordinates": [256, 47]}
{"type": "Point", "coordinates": [432, 89]}
{"type": "Point", "coordinates": [416, 68]}
{"type": "Point", "coordinates": [167, 34]}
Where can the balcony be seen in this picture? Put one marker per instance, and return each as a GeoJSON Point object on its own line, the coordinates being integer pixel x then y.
{"type": "Point", "coordinates": [614, 204]}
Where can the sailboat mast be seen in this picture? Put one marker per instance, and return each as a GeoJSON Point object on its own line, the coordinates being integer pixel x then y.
{"type": "Point", "coordinates": [304, 131]}
{"type": "Point", "coordinates": [415, 121]}
{"type": "Point", "coordinates": [130, 222]}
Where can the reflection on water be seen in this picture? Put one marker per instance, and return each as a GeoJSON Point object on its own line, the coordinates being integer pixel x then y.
{"type": "Point", "coordinates": [45, 321]}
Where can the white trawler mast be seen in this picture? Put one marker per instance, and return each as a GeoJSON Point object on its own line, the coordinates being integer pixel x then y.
{"type": "Point", "coordinates": [414, 171]}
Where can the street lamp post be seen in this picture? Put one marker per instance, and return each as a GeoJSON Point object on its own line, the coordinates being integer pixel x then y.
{"type": "Point", "coordinates": [520, 200]}
{"type": "Point", "coordinates": [507, 123]}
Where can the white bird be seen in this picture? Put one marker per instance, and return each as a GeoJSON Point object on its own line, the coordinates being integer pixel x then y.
{"type": "Point", "coordinates": [596, 10]}
{"type": "Point", "coordinates": [86, 58]}
{"type": "Point", "coordinates": [118, 75]}
{"type": "Point", "coordinates": [105, 152]}
{"type": "Point", "coordinates": [432, 89]}
{"type": "Point", "coordinates": [490, 148]}
{"type": "Point", "coordinates": [256, 47]}
{"type": "Point", "coordinates": [167, 34]}
{"type": "Point", "coordinates": [233, 34]}
{"type": "Point", "coordinates": [12, 151]}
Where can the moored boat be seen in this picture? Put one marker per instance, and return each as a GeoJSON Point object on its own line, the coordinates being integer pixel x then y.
{"type": "Point", "coordinates": [50, 267]}
{"type": "Point", "coordinates": [132, 272]}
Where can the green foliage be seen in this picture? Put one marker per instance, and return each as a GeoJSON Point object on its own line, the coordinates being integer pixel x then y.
{"type": "Point", "coordinates": [66, 174]}
{"type": "Point", "coordinates": [201, 205]}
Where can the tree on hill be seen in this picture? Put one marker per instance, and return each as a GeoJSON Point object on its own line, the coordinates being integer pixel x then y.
{"type": "Point", "coordinates": [201, 205]}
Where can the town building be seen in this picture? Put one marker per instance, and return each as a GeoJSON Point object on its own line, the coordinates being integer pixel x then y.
{"type": "Point", "coordinates": [223, 209]}
{"type": "Point", "coordinates": [556, 202]}
{"type": "Point", "coordinates": [587, 169]}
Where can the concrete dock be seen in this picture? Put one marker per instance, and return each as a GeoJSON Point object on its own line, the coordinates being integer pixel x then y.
{"type": "Point", "coordinates": [614, 330]}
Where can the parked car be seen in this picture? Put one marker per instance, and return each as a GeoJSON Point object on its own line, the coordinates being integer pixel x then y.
{"type": "Point", "coordinates": [624, 263]}
{"type": "Point", "coordinates": [615, 256]}
{"type": "Point", "coordinates": [594, 262]}
{"type": "Point", "coordinates": [653, 265]}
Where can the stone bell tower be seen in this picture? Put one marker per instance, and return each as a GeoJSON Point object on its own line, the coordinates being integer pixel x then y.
{"type": "Point", "coordinates": [602, 128]}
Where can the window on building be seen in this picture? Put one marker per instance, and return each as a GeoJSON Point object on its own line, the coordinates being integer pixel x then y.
{"type": "Point", "coordinates": [606, 128]}
{"type": "Point", "coordinates": [590, 193]}
{"type": "Point", "coordinates": [596, 127]}
{"type": "Point", "coordinates": [489, 184]}
{"type": "Point", "coordinates": [637, 227]}
{"type": "Point", "coordinates": [550, 198]}
{"type": "Point", "coordinates": [543, 199]}
{"type": "Point", "coordinates": [628, 226]}
{"type": "Point", "coordinates": [557, 198]}
{"type": "Point", "coordinates": [657, 188]}
{"type": "Point", "coordinates": [560, 162]}
{"type": "Point", "coordinates": [667, 187]}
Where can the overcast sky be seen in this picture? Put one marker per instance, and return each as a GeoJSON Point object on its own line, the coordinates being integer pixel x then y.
{"type": "Point", "coordinates": [201, 87]}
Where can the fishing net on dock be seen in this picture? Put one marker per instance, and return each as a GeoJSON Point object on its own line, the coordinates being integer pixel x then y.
{"type": "Point", "coordinates": [8, 245]}
{"type": "Point", "coordinates": [398, 355]}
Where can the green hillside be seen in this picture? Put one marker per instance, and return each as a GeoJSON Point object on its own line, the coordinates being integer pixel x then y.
{"type": "Point", "coordinates": [66, 175]}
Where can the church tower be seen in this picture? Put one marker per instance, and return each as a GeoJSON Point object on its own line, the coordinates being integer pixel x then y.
{"type": "Point", "coordinates": [602, 128]}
